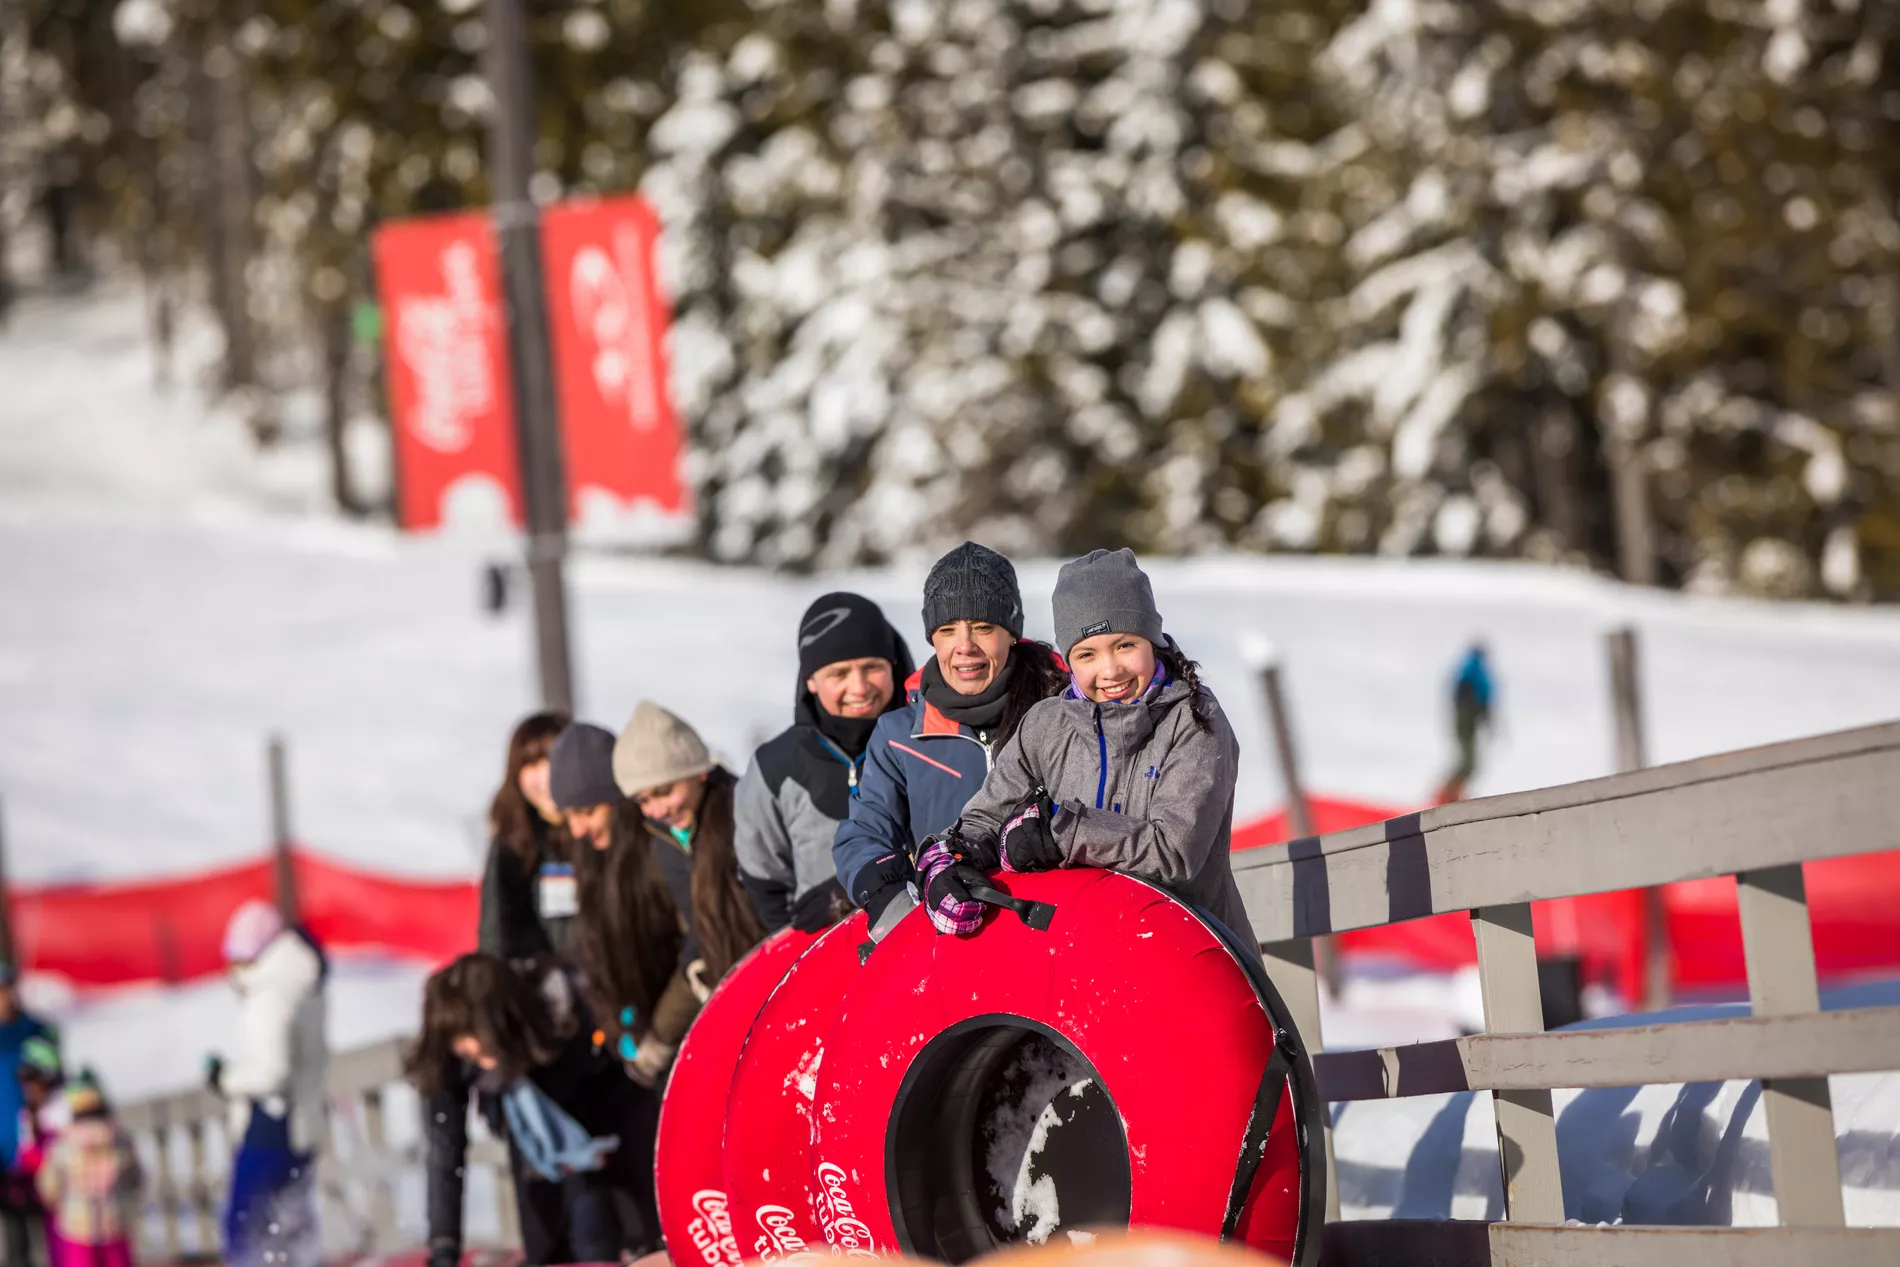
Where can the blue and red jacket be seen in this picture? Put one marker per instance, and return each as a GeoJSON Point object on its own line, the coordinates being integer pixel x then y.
{"type": "Point", "coordinates": [920, 770]}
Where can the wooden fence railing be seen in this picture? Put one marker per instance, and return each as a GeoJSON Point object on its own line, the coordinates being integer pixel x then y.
{"type": "Point", "coordinates": [1756, 814]}
{"type": "Point", "coordinates": [183, 1147]}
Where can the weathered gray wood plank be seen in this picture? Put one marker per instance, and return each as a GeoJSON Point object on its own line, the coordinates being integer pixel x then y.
{"type": "Point", "coordinates": [1527, 1128]}
{"type": "Point", "coordinates": [1822, 797]}
{"type": "Point", "coordinates": [1861, 1040]}
{"type": "Point", "coordinates": [1406, 1243]}
{"type": "Point", "coordinates": [1779, 946]}
{"type": "Point", "coordinates": [1292, 969]}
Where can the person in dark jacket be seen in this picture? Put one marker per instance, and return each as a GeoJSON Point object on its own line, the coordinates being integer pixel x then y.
{"type": "Point", "coordinates": [522, 1035]}
{"type": "Point", "coordinates": [927, 758]}
{"type": "Point", "coordinates": [529, 899]}
{"type": "Point", "coordinates": [663, 766]}
{"type": "Point", "coordinates": [801, 783]}
{"type": "Point", "coordinates": [630, 933]}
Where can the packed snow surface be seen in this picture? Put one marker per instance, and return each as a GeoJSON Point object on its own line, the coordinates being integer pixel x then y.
{"type": "Point", "coordinates": [1038, 1078]}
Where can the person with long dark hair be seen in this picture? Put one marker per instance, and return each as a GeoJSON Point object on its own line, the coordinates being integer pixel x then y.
{"type": "Point", "coordinates": [630, 933]}
{"type": "Point", "coordinates": [1131, 769]}
{"type": "Point", "coordinates": [529, 897]}
{"type": "Point", "coordinates": [686, 798]}
{"type": "Point", "coordinates": [927, 758]}
{"type": "Point", "coordinates": [525, 1034]}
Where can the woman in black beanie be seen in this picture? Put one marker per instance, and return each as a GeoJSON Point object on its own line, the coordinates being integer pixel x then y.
{"type": "Point", "coordinates": [927, 758]}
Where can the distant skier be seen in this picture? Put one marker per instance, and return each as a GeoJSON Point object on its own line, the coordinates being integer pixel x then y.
{"type": "Point", "coordinates": [1472, 696]}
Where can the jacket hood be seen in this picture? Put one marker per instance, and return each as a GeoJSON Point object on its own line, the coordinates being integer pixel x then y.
{"type": "Point", "coordinates": [289, 966]}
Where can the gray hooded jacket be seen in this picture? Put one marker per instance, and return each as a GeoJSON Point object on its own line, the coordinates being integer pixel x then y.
{"type": "Point", "coordinates": [1139, 787]}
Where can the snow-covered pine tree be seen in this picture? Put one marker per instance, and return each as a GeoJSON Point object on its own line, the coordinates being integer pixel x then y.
{"type": "Point", "coordinates": [983, 267]}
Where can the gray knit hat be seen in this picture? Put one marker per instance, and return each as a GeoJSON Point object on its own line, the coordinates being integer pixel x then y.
{"type": "Point", "coordinates": [1104, 591]}
{"type": "Point", "coordinates": [973, 583]}
{"type": "Point", "coordinates": [657, 748]}
{"type": "Point", "coordinates": [581, 768]}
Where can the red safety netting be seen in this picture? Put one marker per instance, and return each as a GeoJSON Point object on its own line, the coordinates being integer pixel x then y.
{"type": "Point", "coordinates": [172, 930]}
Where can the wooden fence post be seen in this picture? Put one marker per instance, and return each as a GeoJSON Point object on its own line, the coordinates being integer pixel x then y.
{"type": "Point", "coordinates": [1299, 812]}
{"type": "Point", "coordinates": [1632, 753]}
{"type": "Point", "coordinates": [1778, 945]}
{"type": "Point", "coordinates": [1527, 1126]}
{"type": "Point", "coordinates": [1297, 968]}
{"type": "Point", "coordinates": [280, 830]}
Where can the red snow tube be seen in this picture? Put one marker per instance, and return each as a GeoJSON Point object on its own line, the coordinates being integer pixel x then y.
{"type": "Point", "coordinates": [768, 1113]}
{"type": "Point", "coordinates": [1154, 1059]}
{"type": "Point", "coordinates": [687, 1165]}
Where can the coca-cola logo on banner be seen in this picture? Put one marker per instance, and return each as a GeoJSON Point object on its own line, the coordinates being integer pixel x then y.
{"type": "Point", "coordinates": [450, 395]}
{"type": "Point", "coordinates": [439, 340]}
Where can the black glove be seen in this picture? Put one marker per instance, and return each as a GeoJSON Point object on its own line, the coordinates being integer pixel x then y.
{"type": "Point", "coordinates": [214, 1074]}
{"type": "Point", "coordinates": [820, 908]}
{"type": "Point", "coordinates": [1028, 841]}
{"type": "Point", "coordinates": [877, 882]}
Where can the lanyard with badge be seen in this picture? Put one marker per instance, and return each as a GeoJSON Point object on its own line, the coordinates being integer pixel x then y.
{"type": "Point", "coordinates": [557, 895]}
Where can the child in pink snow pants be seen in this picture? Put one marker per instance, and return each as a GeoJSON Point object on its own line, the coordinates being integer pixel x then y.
{"type": "Point", "coordinates": [89, 1183]}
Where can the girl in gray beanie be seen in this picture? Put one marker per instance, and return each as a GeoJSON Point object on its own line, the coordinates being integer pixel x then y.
{"type": "Point", "coordinates": [1130, 769]}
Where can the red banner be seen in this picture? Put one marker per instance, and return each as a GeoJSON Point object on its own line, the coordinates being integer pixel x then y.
{"type": "Point", "coordinates": [449, 390]}
{"type": "Point", "coordinates": [607, 322]}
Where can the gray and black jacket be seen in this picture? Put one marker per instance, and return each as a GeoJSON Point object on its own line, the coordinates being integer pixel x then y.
{"type": "Point", "coordinates": [797, 790]}
{"type": "Point", "coordinates": [1141, 788]}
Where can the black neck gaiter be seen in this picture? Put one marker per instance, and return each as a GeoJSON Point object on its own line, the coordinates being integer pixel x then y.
{"type": "Point", "coordinates": [979, 712]}
{"type": "Point", "coordinates": [851, 734]}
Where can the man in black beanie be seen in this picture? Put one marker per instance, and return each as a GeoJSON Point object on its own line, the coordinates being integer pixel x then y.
{"type": "Point", "coordinates": [801, 783]}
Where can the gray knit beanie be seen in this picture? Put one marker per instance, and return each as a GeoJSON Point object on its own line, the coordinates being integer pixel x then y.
{"type": "Point", "coordinates": [1104, 591]}
{"type": "Point", "coordinates": [657, 748]}
{"type": "Point", "coordinates": [973, 583]}
{"type": "Point", "coordinates": [581, 768]}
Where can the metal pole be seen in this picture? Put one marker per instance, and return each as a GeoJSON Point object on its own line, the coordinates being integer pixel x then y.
{"type": "Point", "coordinates": [1632, 753]}
{"type": "Point", "coordinates": [1299, 813]}
{"type": "Point", "coordinates": [280, 830]}
{"type": "Point", "coordinates": [518, 229]}
{"type": "Point", "coordinates": [6, 906]}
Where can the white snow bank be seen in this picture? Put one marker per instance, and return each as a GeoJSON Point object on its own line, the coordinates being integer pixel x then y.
{"type": "Point", "coordinates": [1677, 1154]}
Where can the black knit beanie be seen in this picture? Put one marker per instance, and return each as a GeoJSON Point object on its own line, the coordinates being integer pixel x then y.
{"type": "Point", "coordinates": [844, 626]}
{"type": "Point", "coordinates": [581, 768]}
{"type": "Point", "coordinates": [972, 583]}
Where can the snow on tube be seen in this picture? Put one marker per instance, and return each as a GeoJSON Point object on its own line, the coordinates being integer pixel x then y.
{"type": "Point", "coordinates": [1151, 1055]}
{"type": "Point", "coordinates": [768, 1112]}
{"type": "Point", "coordinates": [687, 1167]}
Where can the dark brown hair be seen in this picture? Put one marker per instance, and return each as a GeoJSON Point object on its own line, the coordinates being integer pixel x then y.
{"type": "Point", "coordinates": [627, 931]}
{"type": "Point", "coordinates": [510, 817]}
{"type": "Point", "coordinates": [1189, 671]}
{"type": "Point", "coordinates": [1039, 674]}
{"type": "Point", "coordinates": [723, 918]}
{"type": "Point", "coordinates": [483, 996]}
